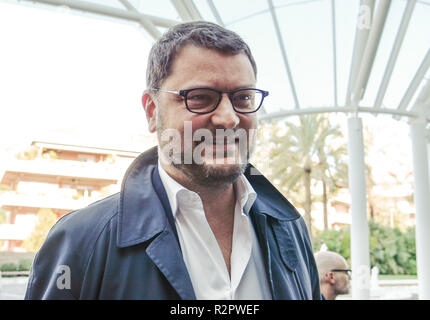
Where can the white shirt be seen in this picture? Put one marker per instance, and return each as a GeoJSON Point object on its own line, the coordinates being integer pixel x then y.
{"type": "Point", "coordinates": [201, 253]}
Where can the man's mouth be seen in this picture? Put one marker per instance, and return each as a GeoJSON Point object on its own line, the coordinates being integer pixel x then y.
{"type": "Point", "coordinates": [221, 144]}
{"type": "Point", "coordinates": [225, 146]}
{"type": "Point", "coordinates": [222, 140]}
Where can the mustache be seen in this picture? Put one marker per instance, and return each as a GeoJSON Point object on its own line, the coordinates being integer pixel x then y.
{"type": "Point", "coordinates": [220, 141]}
{"type": "Point", "coordinates": [221, 138]}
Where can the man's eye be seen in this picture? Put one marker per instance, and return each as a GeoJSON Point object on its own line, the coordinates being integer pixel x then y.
{"type": "Point", "coordinates": [245, 97]}
{"type": "Point", "coordinates": [199, 97]}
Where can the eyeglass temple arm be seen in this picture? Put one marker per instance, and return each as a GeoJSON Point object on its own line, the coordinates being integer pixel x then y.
{"type": "Point", "coordinates": [168, 91]}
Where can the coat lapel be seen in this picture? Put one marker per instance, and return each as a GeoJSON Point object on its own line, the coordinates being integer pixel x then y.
{"type": "Point", "coordinates": [270, 214]}
{"type": "Point", "coordinates": [259, 222]}
{"type": "Point", "coordinates": [142, 217]}
{"type": "Point", "coordinates": [278, 248]}
{"type": "Point", "coordinates": [164, 251]}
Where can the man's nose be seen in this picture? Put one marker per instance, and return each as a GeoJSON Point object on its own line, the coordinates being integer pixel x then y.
{"type": "Point", "coordinates": [224, 115]}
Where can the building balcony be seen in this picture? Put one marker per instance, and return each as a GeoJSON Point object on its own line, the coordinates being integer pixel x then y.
{"type": "Point", "coordinates": [65, 168]}
{"type": "Point", "coordinates": [14, 232]}
{"type": "Point", "coordinates": [61, 200]}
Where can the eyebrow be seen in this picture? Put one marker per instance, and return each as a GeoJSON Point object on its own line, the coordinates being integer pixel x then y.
{"type": "Point", "coordinates": [216, 88]}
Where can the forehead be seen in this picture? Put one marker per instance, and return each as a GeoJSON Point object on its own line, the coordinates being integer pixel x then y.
{"type": "Point", "coordinates": [193, 65]}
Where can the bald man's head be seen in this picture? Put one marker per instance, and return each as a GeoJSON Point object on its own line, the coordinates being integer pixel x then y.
{"type": "Point", "coordinates": [332, 282]}
{"type": "Point", "coordinates": [327, 261]}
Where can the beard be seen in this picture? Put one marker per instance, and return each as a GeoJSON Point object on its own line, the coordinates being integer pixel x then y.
{"type": "Point", "coordinates": [210, 173]}
{"type": "Point", "coordinates": [342, 288]}
{"type": "Point", "coordinates": [203, 170]}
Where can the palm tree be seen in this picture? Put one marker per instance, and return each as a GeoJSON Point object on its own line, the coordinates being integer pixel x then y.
{"type": "Point", "coordinates": [299, 154]}
{"type": "Point", "coordinates": [333, 172]}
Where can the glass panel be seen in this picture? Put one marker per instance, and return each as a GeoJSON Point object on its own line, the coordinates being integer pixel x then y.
{"type": "Point", "coordinates": [233, 11]}
{"type": "Point", "coordinates": [159, 8]}
{"type": "Point", "coordinates": [346, 18]}
{"type": "Point", "coordinates": [383, 55]}
{"type": "Point", "coordinates": [414, 48]}
{"type": "Point", "coordinates": [306, 31]}
{"type": "Point", "coordinates": [109, 3]}
{"type": "Point", "coordinates": [259, 33]}
{"type": "Point", "coordinates": [205, 10]}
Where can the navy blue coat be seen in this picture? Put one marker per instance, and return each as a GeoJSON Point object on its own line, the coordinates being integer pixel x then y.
{"type": "Point", "coordinates": [125, 246]}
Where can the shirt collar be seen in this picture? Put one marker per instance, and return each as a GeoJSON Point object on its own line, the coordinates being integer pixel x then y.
{"type": "Point", "coordinates": [172, 188]}
{"type": "Point", "coordinates": [245, 194]}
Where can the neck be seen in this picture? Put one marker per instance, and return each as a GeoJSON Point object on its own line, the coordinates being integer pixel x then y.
{"type": "Point", "coordinates": [327, 292]}
{"type": "Point", "coordinates": [218, 200]}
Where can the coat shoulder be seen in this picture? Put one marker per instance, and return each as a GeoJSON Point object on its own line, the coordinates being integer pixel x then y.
{"type": "Point", "coordinates": [80, 229]}
{"type": "Point", "coordinates": [90, 220]}
{"type": "Point", "coordinates": [70, 243]}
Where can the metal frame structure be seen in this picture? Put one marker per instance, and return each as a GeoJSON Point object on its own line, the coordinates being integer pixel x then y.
{"type": "Point", "coordinates": [284, 52]}
{"type": "Point", "coordinates": [395, 51]}
{"type": "Point", "coordinates": [366, 45]}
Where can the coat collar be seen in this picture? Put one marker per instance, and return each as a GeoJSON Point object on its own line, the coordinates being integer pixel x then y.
{"type": "Point", "coordinates": [269, 200]}
{"type": "Point", "coordinates": [142, 217]}
{"type": "Point", "coordinates": [141, 213]}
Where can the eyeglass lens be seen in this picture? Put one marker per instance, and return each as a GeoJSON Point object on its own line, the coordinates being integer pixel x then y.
{"type": "Point", "coordinates": [205, 100]}
{"type": "Point", "coordinates": [348, 272]}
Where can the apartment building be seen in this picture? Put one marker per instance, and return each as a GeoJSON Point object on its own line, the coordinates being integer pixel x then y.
{"type": "Point", "coordinates": [60, 177]}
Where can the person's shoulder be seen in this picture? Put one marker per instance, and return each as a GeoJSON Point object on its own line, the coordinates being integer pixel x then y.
{"type": "Point", "coordinates": [75, 235]}
{"type": "Point", "coordinates": [69, 244]}
{"type": "Point", "coordinates": [89, 220]}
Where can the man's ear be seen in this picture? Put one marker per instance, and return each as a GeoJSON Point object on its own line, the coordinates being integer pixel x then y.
{"type": "Point", "coordinates": [150, 108]}
{"type": "Point", "coordinates": [329, 277]}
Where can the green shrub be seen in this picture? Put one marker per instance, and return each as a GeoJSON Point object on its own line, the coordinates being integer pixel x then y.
{"type": "Point", "coordinates": [391, 250]}
{"type": "Point", "coordinates": [24, 265]}
{"type": "Point", "coordinates": [337, 241]}
{"type": "Point", "coordinates": [9, 267]}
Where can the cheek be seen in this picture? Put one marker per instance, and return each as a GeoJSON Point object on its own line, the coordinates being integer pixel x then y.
{"type": "Point", "coordinates": [194, 120]}
{"type": "Point", "coordinates": [249, 123]}
{"type": "Point", "coordinates": [186, 125]}
{"type": "Point", "coordinates": [182, 121]}
{"type": "Point", "coordinates": [175, 119]}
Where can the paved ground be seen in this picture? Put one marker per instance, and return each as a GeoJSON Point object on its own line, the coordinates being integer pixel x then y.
{"type": "Point", "coordinates": [14, 289]}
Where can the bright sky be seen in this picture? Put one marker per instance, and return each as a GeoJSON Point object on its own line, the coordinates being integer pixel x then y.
{"type": "Point", "coordinates": [67, 73]}
{"type": "Point", "coordinates": [80, 78]}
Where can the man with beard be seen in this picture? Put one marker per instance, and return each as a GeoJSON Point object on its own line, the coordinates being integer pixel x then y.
{"type": "Point", "coordinates": [193, 219]}
{"type": "Point", "coordinates": [333, 273]}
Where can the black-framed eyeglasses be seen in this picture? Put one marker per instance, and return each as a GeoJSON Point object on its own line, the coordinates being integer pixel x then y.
{"type": "Point", "coordinates": [347, 271]}
{"type": "Point", "coordinates": [206, 100]}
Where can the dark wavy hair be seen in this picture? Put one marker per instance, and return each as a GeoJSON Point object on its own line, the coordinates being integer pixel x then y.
{"type": "Point", "coordinates": [199, 33]}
